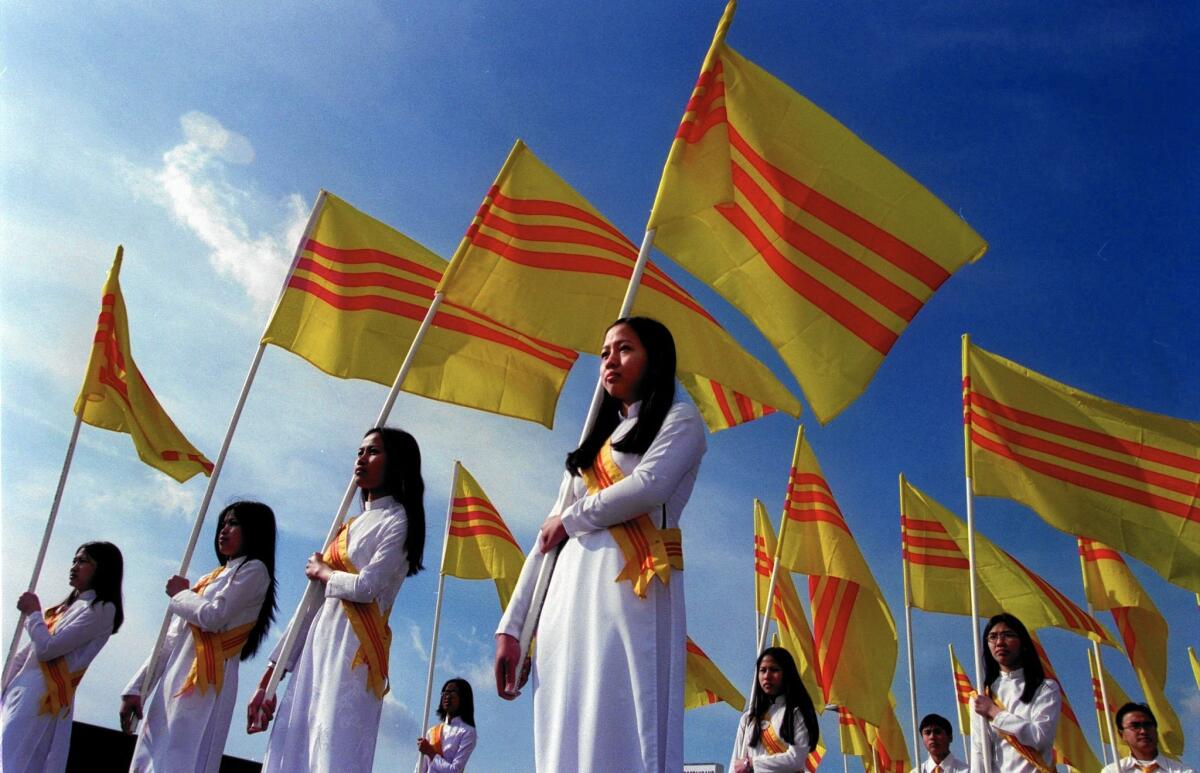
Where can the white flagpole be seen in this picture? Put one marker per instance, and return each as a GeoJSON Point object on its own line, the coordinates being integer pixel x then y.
{"type": "Point", "coordinates": [41, 555]}
{"type": "Point", "coordinates": [219, 464]}
{"type": "Point", "coordinates": [437, 612]}
{"type": "Point", "coordinates": [1109, 726]}
{"type": "Point", "coordinates": [962, 731]}
{"type": "Point", "coordinates": [908, 634]}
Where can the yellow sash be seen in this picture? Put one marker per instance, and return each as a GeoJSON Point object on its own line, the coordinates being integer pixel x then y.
{"type": "Point", "coordinates": [212, 648]}
{"type": "Point", "coordinates": [370, 626]}
{"type": "Point", "coordinates": [649, 551]}
{"type": "Point", "coordinates": [60, 683]}
{"type": "Point", "coordinates": [435, 739]}
{"type": "Point", "coordinates": [1030, 754]}
{"type": "Point", "coordinates": [771, 741]}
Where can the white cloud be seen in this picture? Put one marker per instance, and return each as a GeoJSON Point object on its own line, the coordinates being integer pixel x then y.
{"type": "Point", "coordinates": [171, 499]}
{"type": "Point", "coordinates": [193, 184]}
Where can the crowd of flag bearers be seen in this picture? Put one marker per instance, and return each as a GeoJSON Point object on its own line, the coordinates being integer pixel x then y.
{"type": "Point", "coordinates": [830, 250]}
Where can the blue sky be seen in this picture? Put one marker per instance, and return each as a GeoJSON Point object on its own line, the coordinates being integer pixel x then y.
{"type": "Point", "coordinates": [198, 137]}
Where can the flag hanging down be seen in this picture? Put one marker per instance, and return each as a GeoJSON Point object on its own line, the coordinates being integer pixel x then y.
{"type": "Point", "coordinates": [828, 247]}
{"type": "Point", "coordinates": [356, 297]}
{"type": "Point", "coordinates": [479, 545]}
{"type": "Point", "coordinates": [934, 547]}
{"type": "Point", "coordinates": [1109, 584]}
{"type": "Point", "coordinates": [852, 735]}
{"type": "Point", "coordinates": [1088, 466]}
{"type": "Point", "coordinates": [853, 629]}
{"type": "Point", "coordinates": [114, 395]}
{"type": "Point", "coordinates": [1070, 746]}
{"type": "Point", "coordinates": [964, 690]}
{"type": "Point", "coordinates": [1117, 697]}
{"type": "Point", "coordinates": [539, 257]}
{"type": "Point", "coordinates": [704, 684]}
{"type": "Point", "coordinates": [813, 760]}
{"type": "Point", "coordinates": [794, 634]}
{"type": "Point", "coordinates": [888, 741]}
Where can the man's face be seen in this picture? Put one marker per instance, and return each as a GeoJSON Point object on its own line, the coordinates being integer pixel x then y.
{"type": "Point", "coordinates": [937, 741]}
{"type": "Point", "coordinates": [1139, 730]}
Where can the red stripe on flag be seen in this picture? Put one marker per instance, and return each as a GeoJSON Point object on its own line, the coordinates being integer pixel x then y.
{"type": "Point", "coordinates": [927, 559]}
{"type": "Point", "coordinates": [1101, 554]}
{"type": "Point", "coordinates": [1128, 632]}
{"type": "Point", "coordinates": [1075, 617]}
{"type": "Point", "coordinates": [922, 524]}
{"type": "Point", "coordinates": [483, 531]}
{"type": "Point", "coordinates": [556, 209]}
{"type": "Point", "coordinates": [380, 279]}
{"type": "Point", "coordinates": [723, 404]}
{"type": "Point", "coordinates": [930, 542]}
{"type": "Point", "coordinates": [532, 232]}
{"type": "Point", "coordinates": [360, 256]}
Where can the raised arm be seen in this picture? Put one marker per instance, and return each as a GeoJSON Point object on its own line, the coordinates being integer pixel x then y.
{"type": "Point", "coordinates": [215, 611]}
{"type": "Point", "coordinates": [94, 621]}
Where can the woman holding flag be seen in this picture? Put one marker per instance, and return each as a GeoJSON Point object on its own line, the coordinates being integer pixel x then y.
{"type": "Point", "coordinates": [329, 716]}
{"type": "Point", "coordinates": [780, 727]}
{"type": "Point", "coordinates": [610, 654]}
{"type": "Point", "coordinates": [448, 744]}
{"type": "Point", "coordinates": [39, 692]}
{"type": "Point", "coordinates": [219, 621]}
{"type": "Point", "coordinates": [1019, 708]}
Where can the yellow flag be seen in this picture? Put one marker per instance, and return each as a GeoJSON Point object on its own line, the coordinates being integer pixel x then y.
{"type": "Point", "coordinates": [114, 395]}
{"type": "Point", "coordinates": [828, 247]}
{"type": "Point", "coordinates": [704, 683]}
{"type": "Point", "coordinates": [852, 735]}
{"type": "Point", "coordinates": [1110, 585]}
{"type": "Point", "coordinates": [1088, 466]}
{"type": "Point", "coordinates": [1195, 666]}
{"type": "Point", "coordinates": [853, 629]}
{"type": "Point", "coordinates": [934, 544]}
{"type": "Point", "coordinates": [1070, 746]}
{"type": "Point", "coordinates": [813, 760]}
{"type": "Point", "coordinates": [356, 297]}
{"type": "Point", "coordinates": [479, 545]}
{"type": "Point", "coordinates": [964, 690]}
{"type": "Point", "coordinates": [888, 741]}
{"type": "Point", "coordinates": [1106, 715]}
{"type": "Point", "coordinates": [787, 612]}
{"type": "Point", "coordinates": [541, 258]}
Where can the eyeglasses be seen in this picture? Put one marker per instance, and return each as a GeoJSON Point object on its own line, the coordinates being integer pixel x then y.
{"type": "Point", "coordinates": [998, 636]}
{"type": "Point", "coordinates": [1140, 725]}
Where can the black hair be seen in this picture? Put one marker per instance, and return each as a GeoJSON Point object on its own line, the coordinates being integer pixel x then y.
{"type": "Point", "coordinates": [1130, 708]}
{"type": "Point", "coordinates": [257, 522]}
{"type": "Point", "coordinates": [466, 701]}
{"type": "Point", "coordinates": [1030, 662]}
{"type": "Point", "coordinates": [936, 720]}
{"type": "Point", "coordinates": [402, 480]}
{"type": "Point", "coordinates": [795, 697]}
{"type": "Point", "coordinates": [656, 391]}
{"type": "Point", "coordinates": [106, 580]}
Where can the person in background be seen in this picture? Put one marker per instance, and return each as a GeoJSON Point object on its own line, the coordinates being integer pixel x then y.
{"type": "Point", "coordinates": [1139, 729]}
{"type": "Point", "coordinates": [936, 735]}
{"type": "Point", "coordinates": [780, 728]}
{"type": "Point", "coordinates": [448, 745]}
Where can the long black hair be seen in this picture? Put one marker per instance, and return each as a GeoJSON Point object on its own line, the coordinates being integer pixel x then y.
{"type": "Point", "coordinates": [1030, 662]}
{"type": "Point", "coordinates": [402, 480]}
{"type": "Point", "coordinates": [466, 701]}
{"type": "Point", "coordinates": [257, 522]}
{"type": "Point", "coordinates": [795, 697]}
{"type": "Point", "coordinates": [106, 580]}
{"type": "Point", "coordinates": [656, 391]}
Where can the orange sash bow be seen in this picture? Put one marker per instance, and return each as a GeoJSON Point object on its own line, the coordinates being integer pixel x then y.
{"type": "Point", "coordinates": [435, 739]}
{"type": "Point", "coordinates": [60, 683]}
{"type": "Point", "coordinates": [370, 626]}
{"type": "Point", "coordinates": [1030, 754]}
{"type": "Point", "coordinates": [649, 551]}
{"type": "Point", "coordinates": [212, 648]}
{"type": "Point", "coordinates": [771, 741]}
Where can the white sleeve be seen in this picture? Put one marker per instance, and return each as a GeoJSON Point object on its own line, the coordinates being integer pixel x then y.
{"type": "Point", "coordinates": [457, 761]}
{"type": "Point", "coordinates": [1038, 729]}
{"type": "Point", "coordinates": [791, 760]}
{"type": "Point", "coordinates": [739, 742]}
{"type": "Point", "coordinates": [388, 562]}
{"type": "Point", "coordinates": [213, 612]}
{"type": "Point", "coordinates": [676, 450]}
{"type": "Point", "coordinates": [94, 621]}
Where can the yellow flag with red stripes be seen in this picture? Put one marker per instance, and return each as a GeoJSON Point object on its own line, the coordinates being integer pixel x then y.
{"type": "Point", "coordinates": [538, 256]}
{"type": "Point", "coordinates": [114, 396]}
{"type": "Point", "coordinates": [353, 303]}
{"type": "Point", "coordinates": [1195, 666]}
{"type": "Point", "coordinates": [853, 629]}
{"type": "Point", "coordinates": [887, 739]}
{"type": "Point", "coordinates": [1070, 746]}
{"type": "Point", "coordinates": [827, 246]}
{"type": "Point", "coordinates": [1109, 584]}
{"type": "Point", "coordinates": [1088, 466]}
{"type": "Point", "coordinates": [794, 634]}
{"type": "Point", "coordinates": [1106, 713]}
{"type": "Point", "coordinates": [934, 547]}
{"type": "Point", "coordinates": [964, 690]}
{"type": "Point", "coordinates": [852, 735]}
{"type": "Point", "coordinates": [813, 760]}
{"type": "Point", "coordinates": [703, 682]}
{"type": "Point", "coordinates": [479, 545]}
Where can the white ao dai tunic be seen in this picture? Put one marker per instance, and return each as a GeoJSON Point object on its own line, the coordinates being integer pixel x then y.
{"type": "Point", "coordinates": [790, 761]}
{"type": "Point", "coordinates": [1033, 724]}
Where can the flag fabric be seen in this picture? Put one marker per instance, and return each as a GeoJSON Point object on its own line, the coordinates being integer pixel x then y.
{"type": "Point", "coordinates": [355, 299]}
{"type": "Point", "coordinates": [116, 397]}
{"type": "Point", "coordinates": [794, 634]}
{"type": "Point", "coordinates": [538, 256]}
{"type": "Point", "coordinates": [479, 545]}
{"type": "Point", "coordinates": [704, 684]}
{"type": "Point", "coordinates": [934, 547]}
{"type": "Point", "coordinates": [1195, 666]}
{"type": "Point", "coordinates": [852, 735]}
{"type": "Point", "coordinates": [827, 246]}
{"type": "Point", "coordinates": [853, 630]}
{"type": "Point", "coordinates": [888, 741]}
{"type": "Point", "coordinates": [1106, 714]}
{"type": "Point", "coordinates": [813, 760]}
{"type": "Point", "coordinates": [1070, 746]}
{"type": "Point", "coordinates": [1088, 466]}
{"type": "Point", "coordinates": [1109, 584]}
{"type": "Point", "coordinates": [964, 690]}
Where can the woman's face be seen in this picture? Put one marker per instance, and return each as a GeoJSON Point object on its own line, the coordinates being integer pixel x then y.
{"type": "Point", "coordinates": [370, 468]}
{"type": "Point", "coordinates": [83, 568]}
{"type": "Point", "coordinates": [229, 538]}
{"type": "Point", "coordinates": [770, 676]}
{"type": "Point", "coordinates": [623, 364]}
{"type": "Point", "coordinates": [451, 700]}
{"type": "Point", "coordinates": [1005, 646]}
